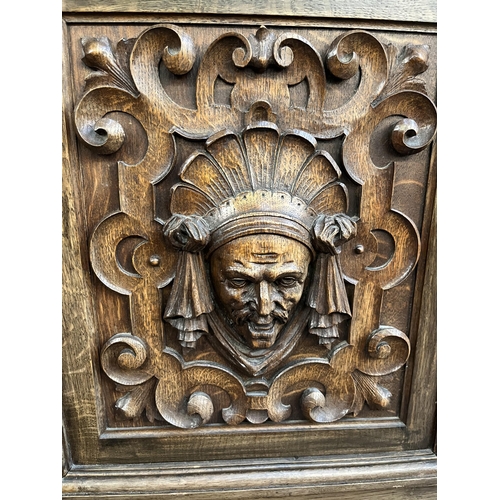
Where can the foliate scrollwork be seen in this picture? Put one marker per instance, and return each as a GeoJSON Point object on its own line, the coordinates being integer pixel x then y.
{"type": "Point", "coordinates": [368, 390]}
{"type": "Point", "coordinates": [260, 240]}
{"type": "Point", "coordinates": [124, 358]}
{"type": "Point", "coordinates": [388, 349]}
{"type": "Point", "coordinates": [110, 68]}
{"type": "Point", "coordinates": [185, 379]}
{"type": "Point", "coordinates": [405, 66]}
{"type": "Point", "coordinates": [138, 400]}
{"type": "Point", "coordinates": [327, 403]}
{"type": "Point", "coordinates": [111, 71]}
{"type": "Point", "coordinates": [359, 51]}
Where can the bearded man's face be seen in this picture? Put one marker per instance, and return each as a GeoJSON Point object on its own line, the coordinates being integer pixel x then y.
{"type": "Point", "coordinates": [259, 280]}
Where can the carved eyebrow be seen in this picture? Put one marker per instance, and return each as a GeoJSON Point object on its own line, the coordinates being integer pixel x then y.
{"type": "Point", "coordinates": [232, 272]}
{"type": "Point", "coordinates": [292, 272]}
{"type": "Point", "coordinates": [272, 255]}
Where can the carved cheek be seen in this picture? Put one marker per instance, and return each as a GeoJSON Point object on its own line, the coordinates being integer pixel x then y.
{"type": "Point", "coordinates": [291, 302]}
{"type": "Point", "coordinates": [235, 298]}
{"type": "Point", "coordinates": [294, 293]}
{"type": "Point", "coordinates": [283, 303]}
{"type": "Point", "coordinates": [290, 296]}
{"type": "Point", "coordinates": [229, 294]}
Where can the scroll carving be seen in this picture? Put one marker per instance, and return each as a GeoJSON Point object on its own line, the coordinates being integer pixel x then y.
{"type": "Point", "coordinates": [259, 250]}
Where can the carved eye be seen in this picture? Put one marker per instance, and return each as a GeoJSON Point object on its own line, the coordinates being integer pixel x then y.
{"type": "Point", "coordinates": [286, 281]}
{"type": "Point", "coordinates": [238, 282]}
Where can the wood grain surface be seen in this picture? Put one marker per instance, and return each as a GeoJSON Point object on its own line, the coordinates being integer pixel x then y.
{"type": "Point", "coordinates": [338, 400]}
{"type": "Point", "coordinates": [390, 10]}
{"type": "Point", "coordinates": [377, 477]}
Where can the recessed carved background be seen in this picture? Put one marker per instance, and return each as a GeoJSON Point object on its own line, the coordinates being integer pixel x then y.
{"type": "Point", "coordinates": [157, 112]}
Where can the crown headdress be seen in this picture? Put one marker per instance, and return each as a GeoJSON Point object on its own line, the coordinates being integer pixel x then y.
{"type": "Point", "coordinates": [257, 182]}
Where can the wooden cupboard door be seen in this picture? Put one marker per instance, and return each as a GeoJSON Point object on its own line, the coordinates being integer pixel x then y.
{"type": "Point", "coordinates": [249, 252]}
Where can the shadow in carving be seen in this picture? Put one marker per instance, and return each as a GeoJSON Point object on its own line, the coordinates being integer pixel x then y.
{"type": "Point", "coordinates": [268, 258]}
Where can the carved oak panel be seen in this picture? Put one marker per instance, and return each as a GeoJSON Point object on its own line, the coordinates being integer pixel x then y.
{"type": "Point", "coordinates": [254, 206]}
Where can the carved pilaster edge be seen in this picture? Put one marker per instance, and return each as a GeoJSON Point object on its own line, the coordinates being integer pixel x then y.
{"type": "Point", "coordinates": [80, 397]}
{"type": "Point", "coordinates": [65, 454]}
{"type": "Point", "coordinates": [393, 475]}
{"type": "Point", "coordinates": [419, 402]}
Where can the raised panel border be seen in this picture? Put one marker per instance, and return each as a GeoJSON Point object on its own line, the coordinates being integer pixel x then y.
{"type": "Point", "coordinates": [389, 476]}
{"type": "Point", "coordinates": [394, 474]}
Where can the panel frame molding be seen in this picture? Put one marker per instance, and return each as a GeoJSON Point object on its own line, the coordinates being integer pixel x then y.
{"type": "Point", "coordinates": [416, 11]}
{"type": "Point", "coordinates": [383, 475]}
{"type": "Point", "coordinates": [91, 453]}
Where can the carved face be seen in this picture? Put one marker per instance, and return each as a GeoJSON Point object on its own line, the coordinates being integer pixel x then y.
{"type": "Point", "coordinates": [259, 280]}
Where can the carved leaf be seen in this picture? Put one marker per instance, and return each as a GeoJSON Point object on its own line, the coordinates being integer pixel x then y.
{"type": "Point", "coordinates": [368, 390]}
{"type": "Point", "coordinates": [100, 56]}
{"type": "Point", "coordinates": [137, 400]}
{"type": "Point", "coordinates": [404, 68]}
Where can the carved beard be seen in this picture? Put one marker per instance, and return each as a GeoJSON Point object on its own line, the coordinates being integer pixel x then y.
{"type": "Point", "coordinates": [259, 331]}
{"type": "Point", "coordinates": [255, 362]}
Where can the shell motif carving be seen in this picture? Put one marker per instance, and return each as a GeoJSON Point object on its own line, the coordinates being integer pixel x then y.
{"type": "Point", "coordinates": [248, 289]}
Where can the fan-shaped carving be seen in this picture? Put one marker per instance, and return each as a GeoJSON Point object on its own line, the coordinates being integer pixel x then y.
{"type": "Point", "coordinates": [256, 175]}
{"type": "Point", "coordinates": [260, 158]}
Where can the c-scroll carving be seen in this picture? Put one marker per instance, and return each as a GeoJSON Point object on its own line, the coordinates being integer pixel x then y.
{"type": "Point", "coordinates": [261, 250]}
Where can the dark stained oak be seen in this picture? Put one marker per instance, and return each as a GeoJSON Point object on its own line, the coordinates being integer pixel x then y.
{"type": "Point", "coordinates": [259, 241]}
{"type": "Point", "coordinates": [249, 250]}
{"type": "Point", "coordinates": [419, 11]}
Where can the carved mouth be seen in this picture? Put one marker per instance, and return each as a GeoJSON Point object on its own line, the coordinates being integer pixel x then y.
{"type": "Point", "coordinates": [264, 331]}
{"type": "Point", "coordinates": [265, 327]}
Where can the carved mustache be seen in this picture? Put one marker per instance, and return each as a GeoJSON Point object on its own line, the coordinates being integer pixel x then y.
{"type": "Point", "coordinates": [249, 313]}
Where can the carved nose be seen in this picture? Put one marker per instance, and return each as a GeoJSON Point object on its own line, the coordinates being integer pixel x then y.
{"type": "Point", "coordinates": [264, 302]}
